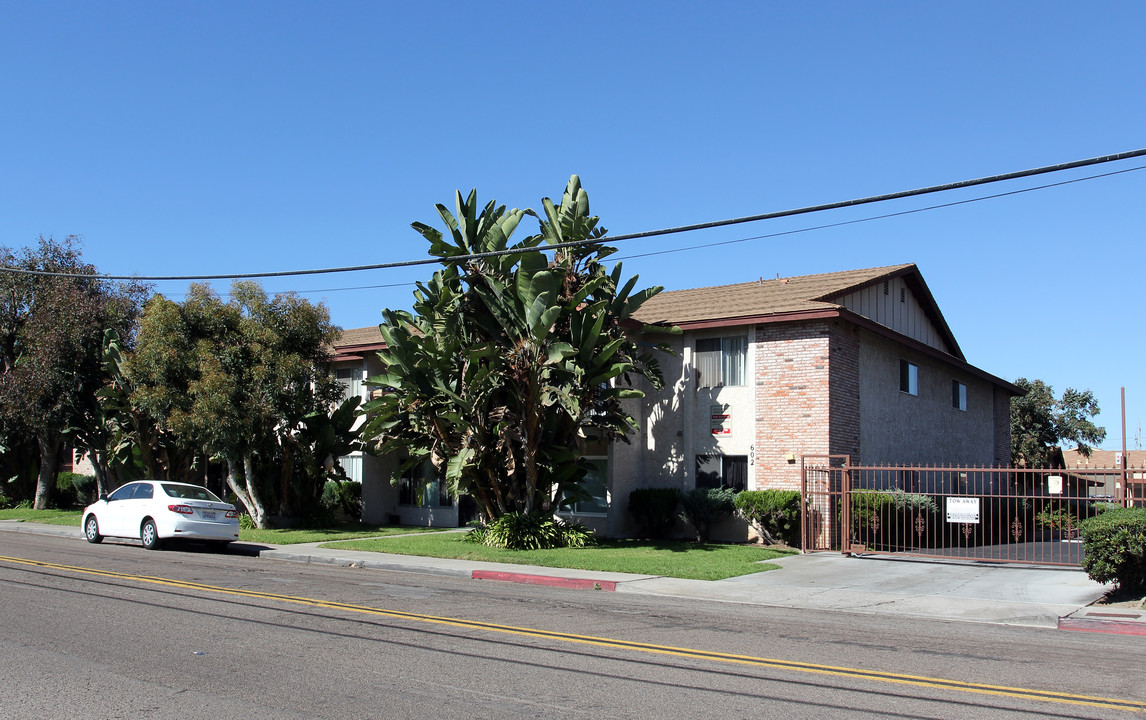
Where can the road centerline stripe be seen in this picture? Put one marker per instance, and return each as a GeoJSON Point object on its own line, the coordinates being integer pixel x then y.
{"type": "Point", "coordinates": [691, 653]}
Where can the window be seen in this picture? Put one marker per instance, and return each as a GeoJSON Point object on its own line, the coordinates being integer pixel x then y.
{"type": "Point", "coordinates": [908, 378]}
{"type": "Point", "coordinates": [596, 483]}
{"type": "Point", "coordinates": [352, 466]}
{"type": "Point", "coordinates": [716, 471]}
{"type": "Point", "coordinates": [958, 395]}
{"type": "Point", "coordinates": [420, 486]}
{"type": "Point", "coordinates": [351, 380]}
{"type": "Point", "coordinates": [721, 361]}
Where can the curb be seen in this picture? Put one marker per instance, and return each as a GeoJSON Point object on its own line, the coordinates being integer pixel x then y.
{"type": "Point", "coordinates": [1113, 623]}
{"type": "Point", "coordinates": [307, 558]}
{"type": "Point", "coordinates": [571, 583]}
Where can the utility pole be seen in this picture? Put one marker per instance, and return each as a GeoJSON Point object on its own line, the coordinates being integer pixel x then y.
{"type": "Point", "coordinates": [1124, 494]}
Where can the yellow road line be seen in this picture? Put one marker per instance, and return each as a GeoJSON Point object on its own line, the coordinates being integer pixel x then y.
{"type": "Point", "coordinates": [838, 671]}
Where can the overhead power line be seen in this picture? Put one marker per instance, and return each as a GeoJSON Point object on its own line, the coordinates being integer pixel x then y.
{"type": "Point", "coordinates": [884, 216]}
{"type": "Point", "coordinates": [633, 236]}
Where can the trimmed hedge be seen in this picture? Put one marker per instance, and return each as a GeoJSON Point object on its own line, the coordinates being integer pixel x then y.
{"type": "Point", "coordinates": [773, 514]}
{"type": "Point", "coordinates": [74, 489]}
{"type": "Point", "coordinates": [1114, 546]}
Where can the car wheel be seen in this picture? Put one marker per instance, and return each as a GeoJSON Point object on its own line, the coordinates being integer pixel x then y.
{"type": "Point", "coordinates": [91, 530]}
{"type": "Point", "coordinates": [149, 535]}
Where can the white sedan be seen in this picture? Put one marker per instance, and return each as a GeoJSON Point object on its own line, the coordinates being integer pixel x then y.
{"type": "Point", "coordinates": [157, 510]}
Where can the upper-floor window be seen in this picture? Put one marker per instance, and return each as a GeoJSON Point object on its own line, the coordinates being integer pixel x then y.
{"type": "Point", "coordinates": [352, 466]}
{"type": "Point", "coordinates": [908, 377]}
{"type": "Point", "coordinates": [958, 395]}
{"type": "Point", "coordinates": [722, 361]}
{"type": "Point", "coordinates": [351, 381]}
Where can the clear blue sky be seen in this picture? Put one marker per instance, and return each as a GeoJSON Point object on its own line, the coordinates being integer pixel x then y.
{"type": "Point", "coordinates": [229, 137]}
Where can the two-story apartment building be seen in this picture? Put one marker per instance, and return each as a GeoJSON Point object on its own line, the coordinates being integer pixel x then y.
{"type": "Point", "coordinates": [857, 363]}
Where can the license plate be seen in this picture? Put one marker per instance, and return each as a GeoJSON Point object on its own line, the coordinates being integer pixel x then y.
{"type": "Point", "coordinates": [207, 514]}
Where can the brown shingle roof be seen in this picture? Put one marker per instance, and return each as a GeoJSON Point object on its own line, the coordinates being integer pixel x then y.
{"type": "Point", "coordinates": [765, 297]}
{"type": "Point", "coordinates": [1103, 459]}
{"type": "Point", "coordinates": [359, 336]}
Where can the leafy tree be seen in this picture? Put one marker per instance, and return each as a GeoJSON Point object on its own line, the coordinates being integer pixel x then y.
{"type": "Point", "coordinates": [509, 361]}
{"type": "Point", "coordinates": [1040, 424]}
{"type": "Point", "coordinates": [51, 346]}
{"type": "Point", "coordinates": [245, 381]}
{"type": "Point", "coordinates": [101, 433]}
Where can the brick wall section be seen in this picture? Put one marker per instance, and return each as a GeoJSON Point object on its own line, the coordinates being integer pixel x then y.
{"type": "Point", "coordinates": [793, 396]}
{"type": "Point", "coordinates": [845, 391]}
{"type": "Point", "coordinates": [1002, 427]}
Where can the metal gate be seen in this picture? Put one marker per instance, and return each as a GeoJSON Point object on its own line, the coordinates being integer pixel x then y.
{"type": "Point", "coordinates": [1014, 515]}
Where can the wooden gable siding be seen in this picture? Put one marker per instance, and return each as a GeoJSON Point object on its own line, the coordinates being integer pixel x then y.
{"type": "Point", "coordinates": [881, 303]}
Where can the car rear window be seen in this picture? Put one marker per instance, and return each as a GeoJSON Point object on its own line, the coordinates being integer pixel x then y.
{"type": "Point", "coordinates": [189, 492]}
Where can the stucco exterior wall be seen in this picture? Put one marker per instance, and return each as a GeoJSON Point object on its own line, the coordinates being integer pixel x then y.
{"type": "Point", "coordinates": [899, 428]}
{"type": "Point", "coordinates": [676, 425]}
{"type": "Point", "coordinates": [654, 455]}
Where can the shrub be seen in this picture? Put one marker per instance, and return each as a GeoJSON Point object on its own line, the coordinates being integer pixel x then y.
{"type": "Point", "coordinates": [1100, 507]}
{"type": "Point", "coordinates": [654, 509]}
{"type": "Point", "coordinates": [871, 511]}
{"type": "Point", "coordinates": [343, 496]}
{"type": "Point", "coordinates": [519, 531]}
{"type": "Point", "coordinates": [704, 507]}
{"type": "Point", "coordinates": [73, 489]}
{"type": "Point", "coordinates": [1057, 519]}
{"type": "Point", "coordinates": [774, 514]}
{"type": "Point", "coordinates": [1114, 547]}
{"type": "Point", "coordinates": [894, 518]}
{"type": "Point", "coordinates": [906, 502]}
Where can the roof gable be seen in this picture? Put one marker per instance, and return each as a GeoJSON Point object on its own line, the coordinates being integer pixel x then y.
{"type": "Point", "coordinates": [771, 300]}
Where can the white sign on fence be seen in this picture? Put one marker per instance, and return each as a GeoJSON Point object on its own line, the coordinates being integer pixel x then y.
{"type": "Point", "coordinates": [963, 510]}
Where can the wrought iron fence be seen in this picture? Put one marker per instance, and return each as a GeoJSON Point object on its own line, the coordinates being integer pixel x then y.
{"type": "Point", "coordinates": [1019, 515]}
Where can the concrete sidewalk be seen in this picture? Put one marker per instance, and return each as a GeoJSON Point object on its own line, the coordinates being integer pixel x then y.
{"type": "Point", "coordinates": [1019, 595]}
{"type": "Point", "coordinates": [966, 592]}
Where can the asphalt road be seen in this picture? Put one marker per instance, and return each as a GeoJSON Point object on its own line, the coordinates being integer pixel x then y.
{"type": "Point", "coordinates": [113, 631]}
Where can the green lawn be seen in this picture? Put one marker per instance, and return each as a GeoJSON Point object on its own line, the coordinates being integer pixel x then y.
{"type": "Point", "coordinates": [341, 531]}
{"type": "Point", "coordinates": [670, 559]}
{"type": "Point", "coordinates": [49, 517]}
{"type": "Point", "coordinates": [642, 557]}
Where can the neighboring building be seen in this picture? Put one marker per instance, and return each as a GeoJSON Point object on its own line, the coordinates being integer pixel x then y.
{"type": "Point", "coordinates": [857, 363]}
{"type": "Point", "coordinates": [418, 498]}
{"type": "Point", "coordinates": [1104, 469]}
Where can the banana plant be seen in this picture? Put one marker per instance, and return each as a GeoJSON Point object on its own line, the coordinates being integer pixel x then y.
{"type": "Point", "coordinates": [509, 362]}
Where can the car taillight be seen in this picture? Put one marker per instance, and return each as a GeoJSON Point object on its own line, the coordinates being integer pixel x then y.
{"type": "Point", "coordinates": [232, 514]}
{"type": "Point", "coordinates": [181, 509]}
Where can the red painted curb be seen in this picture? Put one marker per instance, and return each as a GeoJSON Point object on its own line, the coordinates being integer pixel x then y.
{"type": "Point", "coordinates": [574, 583]}
{"type": "Point", "coordinates": [1113, 627]}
